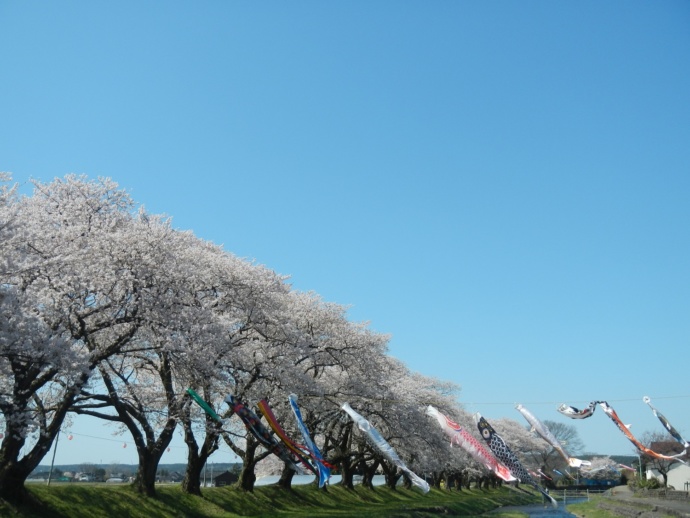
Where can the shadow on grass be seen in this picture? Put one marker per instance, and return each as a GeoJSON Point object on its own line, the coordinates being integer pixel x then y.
{"type": "Point", "coordinates": [96, 501]}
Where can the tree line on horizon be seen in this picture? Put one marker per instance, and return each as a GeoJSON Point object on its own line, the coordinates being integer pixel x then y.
{"type": "Point", "coordinates": [109, 311]}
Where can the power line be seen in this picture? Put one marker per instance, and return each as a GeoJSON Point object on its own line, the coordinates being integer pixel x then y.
{"type": "Point", "coordinates": [559, 402]}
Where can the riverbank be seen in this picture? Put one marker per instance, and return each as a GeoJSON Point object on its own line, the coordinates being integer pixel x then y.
{"type": "Point", "coordinates": [81, 500]}
{"type": "Point", "coordinates": [622, 502]}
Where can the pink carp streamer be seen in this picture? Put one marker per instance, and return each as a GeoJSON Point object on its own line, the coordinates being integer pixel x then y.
{"type": "Point", "coordinates": [549, 437]}
{"type": "Point", "coordinates": [623, 428]}
{"type": "Point", "coordinates": [458, 435]}
{"type": "Point", "coordinates": [674, 433]}
{"type": "Point", "coordinates": [377, 441]}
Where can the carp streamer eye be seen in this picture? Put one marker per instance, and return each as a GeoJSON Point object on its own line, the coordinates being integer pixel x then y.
{"type": "Point", "coordinates": [486, 433]}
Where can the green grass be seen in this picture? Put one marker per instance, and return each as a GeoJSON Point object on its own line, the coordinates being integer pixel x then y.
{"type": "Point", "coordinates": [95, 501]}
{"type": "Point", "coordinates": [590, 508]}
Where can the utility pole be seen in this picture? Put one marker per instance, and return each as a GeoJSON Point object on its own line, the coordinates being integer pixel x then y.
{"type": "Point", "coordinates": [52, 462]}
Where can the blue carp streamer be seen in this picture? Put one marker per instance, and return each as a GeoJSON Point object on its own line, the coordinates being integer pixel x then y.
{"type": "Point", "coordinates": [323, 471]}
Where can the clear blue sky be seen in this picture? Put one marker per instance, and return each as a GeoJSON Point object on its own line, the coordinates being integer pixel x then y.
{"type": "Point", "coordinates": [504, 187]}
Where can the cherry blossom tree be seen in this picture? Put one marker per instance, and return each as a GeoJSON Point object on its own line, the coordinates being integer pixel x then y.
{"type": "Point", "coordinates": [8, 222]}
{"type": "Point", "coordinates": [287, 342]}
{"type": "Point", "coordinates": [398, 413]}
{"type": "Point", "coordinates": [143, 387]}
{"type": "Point", "coordinates": [245, 360]}
{"type": "Point", "coordinates": [60, 286]}
{"type": "Point", "coordinates": [547, 456]}
{"type": "Point", "coordinates": [661, 442]}
{"type": "Point", "coordinates": [37, 370]}
{"type": "Point", "coordinates": [109, 311]}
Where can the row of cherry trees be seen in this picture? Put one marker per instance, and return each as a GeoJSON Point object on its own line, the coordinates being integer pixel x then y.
{"type": "Point", "coordinates": [109, 311]}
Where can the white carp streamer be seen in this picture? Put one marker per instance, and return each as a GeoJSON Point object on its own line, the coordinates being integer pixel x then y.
{"type": "Point", "coordinates": [549, 437]}
{"type": "Point", "coordinates": [383, 447]}
{"type": "Point", "coordinates": [458, 435]}
{"type": "Point", "coordinates": [575, 413]}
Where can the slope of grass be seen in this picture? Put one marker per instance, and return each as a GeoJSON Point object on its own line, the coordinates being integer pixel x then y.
{"type": "Point", "coordinates": [95, 501]}
{"type": "Point", "coordinates": [591, 508]}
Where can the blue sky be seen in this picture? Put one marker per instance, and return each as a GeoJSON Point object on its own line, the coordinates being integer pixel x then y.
{"type": "Point", "coordinates": [501, 186]}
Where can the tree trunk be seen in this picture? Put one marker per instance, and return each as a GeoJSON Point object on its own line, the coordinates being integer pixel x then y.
{"type": "Point", "coordinates": [368, 472]}
{"type": "Point", "coordinates": [390, 472]}
{"type": "Point", "coordinates": [285, 481]}
{"type": "Point", "coordinates": [145, 479]}
{"type": "Point", "coordinates": [134, 417]}
{"type": "Point", "coordinates": [344, 458]}
{"type": "Point", "coordinates": [12, 488]}
{"type": "Point", "coordinates": [346, 474]}
{"type": "Point", "coordinates": [13, 470]}
{"type": "Point", "coordinates": [407, 483]}
{"type": "Point", "coordinates": [149, 456]}
{"type": "Point", "coordinates": [392, 481]}
{"type": "Point", "coordinates": [247, 476]}
{"type": "Point", "coordinates": [191, 483]}
{"type": "Point", "coordinates": [196, 458]}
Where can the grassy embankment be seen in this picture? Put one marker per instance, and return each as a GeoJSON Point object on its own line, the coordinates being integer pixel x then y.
{"type": "Point", "coordinates": [590, 509]}
{"type": "Point", "coordinates": [93, 501]}
{"type": "Point", "coordinates": [610, 508]}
